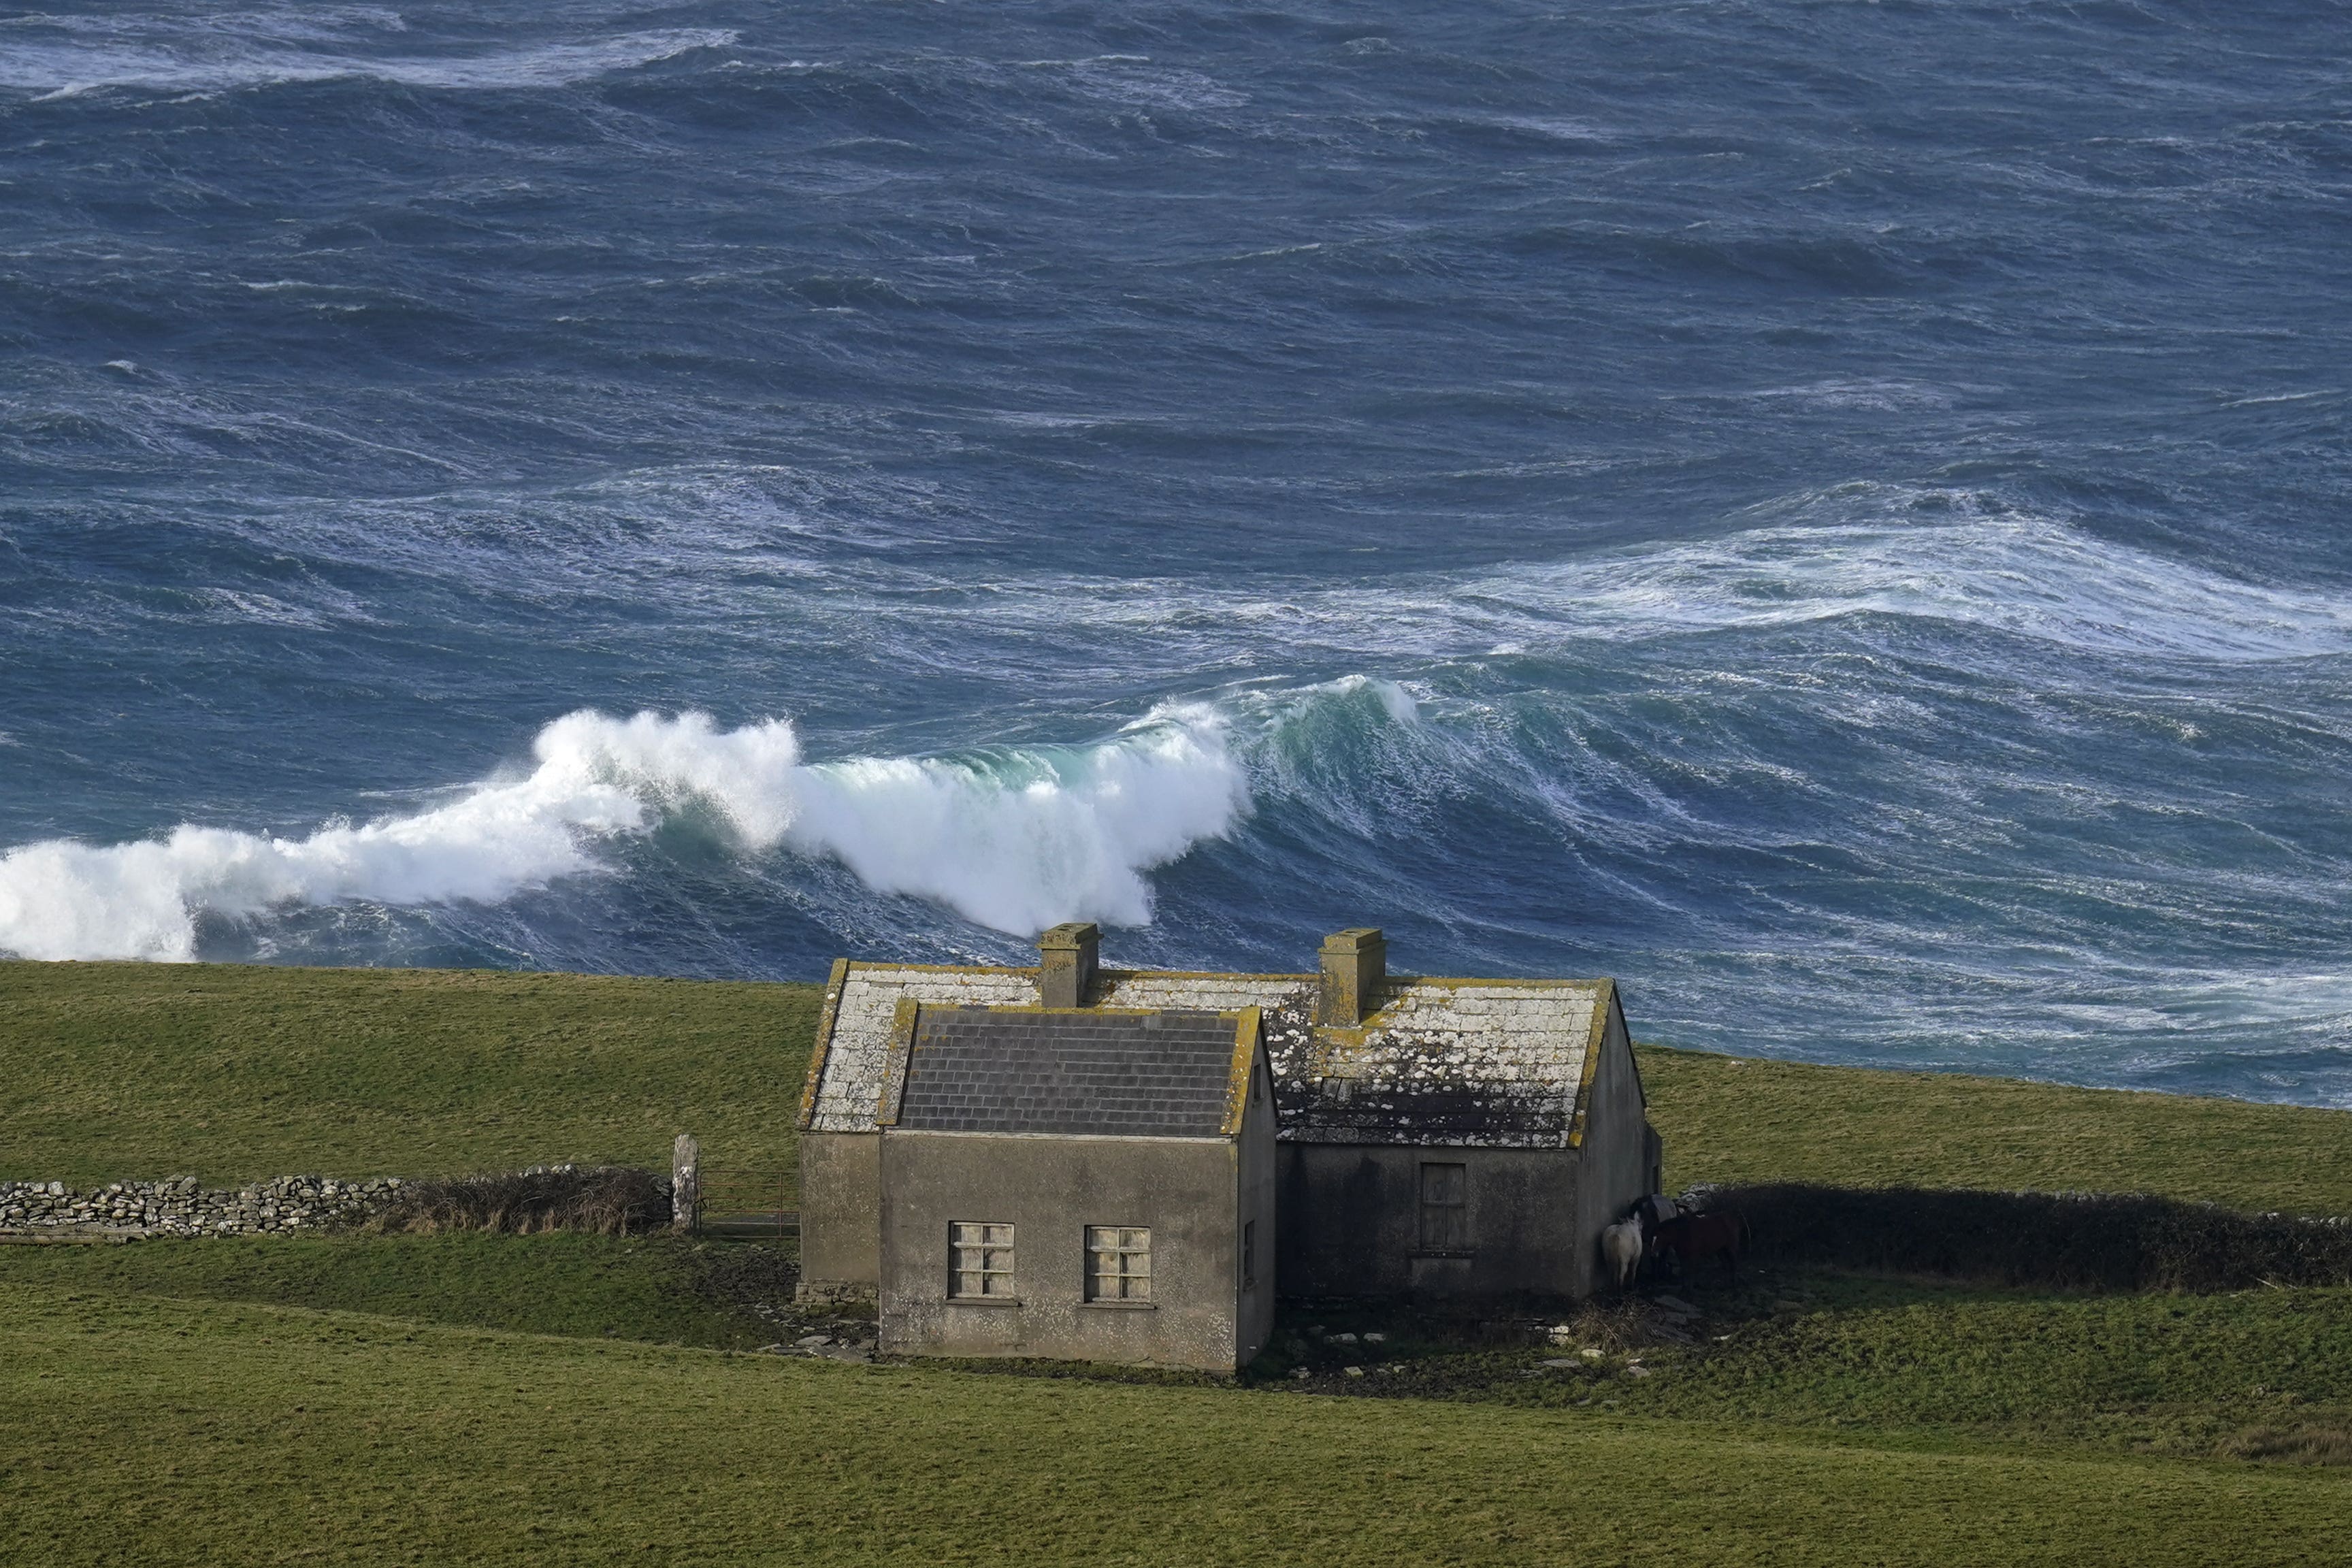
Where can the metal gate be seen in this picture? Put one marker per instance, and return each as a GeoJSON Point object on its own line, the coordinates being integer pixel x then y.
{"type": "Point", "coordinates": [748, 1202]}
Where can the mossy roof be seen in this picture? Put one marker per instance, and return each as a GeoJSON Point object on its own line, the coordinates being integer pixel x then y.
{"type": "Point", "coordinates": [1493, 1063]}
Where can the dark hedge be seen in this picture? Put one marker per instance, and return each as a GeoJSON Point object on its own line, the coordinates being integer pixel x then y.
{"type": "Point", "coordinates": [2089, 1241]}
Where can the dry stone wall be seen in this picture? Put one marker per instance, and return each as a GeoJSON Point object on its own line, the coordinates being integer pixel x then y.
{"type": "Point", "coordinates": [180, 1207]}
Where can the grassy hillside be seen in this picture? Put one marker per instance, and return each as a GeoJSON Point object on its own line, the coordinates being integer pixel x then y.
{"type": "Point", "coordinates": [588, 1287]}
{"type": "Point", "coordinates": [1731, 1120]}
{"type": "Point", "coordinates": [229, 1072]}
{"type": "Point", "coordinates": [1876, 1360]}
{"type": "Point", "coordinates": [165, 1432]}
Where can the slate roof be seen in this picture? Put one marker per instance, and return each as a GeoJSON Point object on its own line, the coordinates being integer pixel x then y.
{"type": "Point", "coordinates": [1164, 1075]}
{"type": "Point", "coordinates": [1475, 1063]}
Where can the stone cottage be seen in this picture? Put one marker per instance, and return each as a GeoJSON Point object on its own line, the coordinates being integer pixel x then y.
{"type": "Point", "coordinates": [1366, 1135]}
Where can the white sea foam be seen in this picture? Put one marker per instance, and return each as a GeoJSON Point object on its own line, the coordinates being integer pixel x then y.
{"type": "Point", "coordinates": [1016, 839]}
{"type": "Point", "coordinates": [2020, 574]}
{"type": "Point", "coordinates": [165, 60]}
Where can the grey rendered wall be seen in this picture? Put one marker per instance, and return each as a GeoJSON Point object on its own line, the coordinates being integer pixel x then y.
{"type": "Point", "coordinates": [1051, 1189]}
{"type": "Point", "coordinates": [1259, 1201]}
{"type": "Point", "coordinates": [1616, 1150]}
{"type": "Point", "coordinates": [1351, 1222]}
{"type": "Point", "coordinates": [841, 1214]}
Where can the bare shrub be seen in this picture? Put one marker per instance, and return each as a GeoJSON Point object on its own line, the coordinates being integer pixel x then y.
{"type": "Point", "coordinates": [2077, 1241]}
{"type": "Point", "coordinates": [2292, 1446]}
{"type": "Point", "coordinates": [603, 1200]}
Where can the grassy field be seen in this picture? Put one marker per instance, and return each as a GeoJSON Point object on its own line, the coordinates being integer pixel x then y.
{"type": "Point", "coordinates": [590, 1287]}
{"type": "Point", "coordinates": [233, 1072]}
{"type": "Point", "coordinates": [574, 1399]}
{"type": "Point", "coordinates": [156, 1431]}
{"type": "Point", "coordinates": [1886, 1360]}
{"type": "Point", "coordinates": [1741, 1121]}
{"type": "Point", "coordinates": [123, 1070]}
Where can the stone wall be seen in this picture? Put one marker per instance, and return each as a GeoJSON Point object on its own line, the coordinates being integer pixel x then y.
{"type": "Point", "coordinates": [179, 1206]}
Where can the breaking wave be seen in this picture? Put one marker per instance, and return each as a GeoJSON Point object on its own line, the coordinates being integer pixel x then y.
{"type": "Point", "coordinates": [1013, 838]}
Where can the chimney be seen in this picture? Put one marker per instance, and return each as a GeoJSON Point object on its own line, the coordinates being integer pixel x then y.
{"type": "Point", "coordinates": [1067, 957]}
{"type": "Point", "coordinates": [1355, 967]}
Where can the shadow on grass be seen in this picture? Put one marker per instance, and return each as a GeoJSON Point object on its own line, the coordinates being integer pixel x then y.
{"type": "Point", "coordinates": [2052, 1240]}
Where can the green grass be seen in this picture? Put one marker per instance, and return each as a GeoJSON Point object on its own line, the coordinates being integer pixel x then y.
{"type": "Point", "coordinates": [231, 1072]}
{"type": "Point", "coordinates": [1896, 1359]}
{"type": "Point", "coordinates": [161, 1432]}
{"type": "Point", "coordinates": [1736, 1121]}
{"type": "Point", "coordinates": [2156, 1373]}
{"type": "Point", "coordinates": [227, 1072]}
{"type": "Point", "coordinates": [586, 1286]}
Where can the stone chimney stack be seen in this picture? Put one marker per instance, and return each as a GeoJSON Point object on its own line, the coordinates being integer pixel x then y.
{"type": "Point", "coordinates": [1067, 957]}
{"type": "Point", "coordinates": [1355, 967]}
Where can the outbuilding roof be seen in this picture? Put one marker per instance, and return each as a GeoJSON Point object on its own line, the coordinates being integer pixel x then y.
{"type": "Point", "coordinates": [1472, 1062]}
{"type": "Point", "coordinates": [1075, 1072]}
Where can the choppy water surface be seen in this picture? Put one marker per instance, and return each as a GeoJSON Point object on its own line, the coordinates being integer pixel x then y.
{"type": "Point", "coordinates": [1831, 513]}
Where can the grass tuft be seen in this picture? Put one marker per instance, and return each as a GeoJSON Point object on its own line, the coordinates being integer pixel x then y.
{"type": "Point", "coordinates": [2294, 1446]}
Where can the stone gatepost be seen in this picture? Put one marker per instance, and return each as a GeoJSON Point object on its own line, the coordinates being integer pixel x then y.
{"type": "Point", "coordinates": [685, 1182]}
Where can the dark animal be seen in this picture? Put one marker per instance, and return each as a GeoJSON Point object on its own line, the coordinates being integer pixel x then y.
{"type": "Point", "coordinates": [1686, 1238]}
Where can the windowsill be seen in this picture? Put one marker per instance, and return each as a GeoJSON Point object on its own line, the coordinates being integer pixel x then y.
{"type": "Point", "coordinates": [1118, 1306]}
{"type": "Point", "coordinates": [983, 1300]}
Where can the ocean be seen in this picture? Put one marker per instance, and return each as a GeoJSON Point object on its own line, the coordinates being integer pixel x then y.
{"type": "Point", "coordinates": [1834, 514]}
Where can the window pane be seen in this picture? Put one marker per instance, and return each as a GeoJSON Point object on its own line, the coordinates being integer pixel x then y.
{"type": "Point", "coordinates": [979, 1258]}
{"type": "Point", "coordinates": [1118, 1263]}
{"type": "Point", "coordinates": [1443, 1184]}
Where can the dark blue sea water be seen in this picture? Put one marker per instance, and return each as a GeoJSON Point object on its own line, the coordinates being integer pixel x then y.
{"type": "Point", "coordinates": [1831, 513]}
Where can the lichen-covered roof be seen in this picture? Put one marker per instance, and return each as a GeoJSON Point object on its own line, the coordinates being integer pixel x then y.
{"type": "Point", "coordinates": [1086, 1071]}
{"type": "Point", "coordinates": [1494, 1063]}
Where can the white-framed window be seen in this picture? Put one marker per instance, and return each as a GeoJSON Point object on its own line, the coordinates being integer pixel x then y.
{"type": "Point", "coordinates": [979, 1258]}
{"type": "Point", "coordinates": [1118, 1263]}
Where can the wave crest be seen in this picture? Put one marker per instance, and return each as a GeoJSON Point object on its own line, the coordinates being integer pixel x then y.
{"type": "Point", "coordinates": [1016, 839]}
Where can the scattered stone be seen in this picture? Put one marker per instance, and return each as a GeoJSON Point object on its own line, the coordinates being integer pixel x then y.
{"type": "Point", "coordinates": [1376, 1339]}
{"type": "Point", "coordinates": [811, 1342]}
{"type": "Point", "coordinates": [1343, 1339]}
{"type": "Point", "coordinates": [1300, 1372]}
{"type": "Point", "coordinates": [1637, 1370]}
{"type": "Point", "coordinates": [1591, 1353]}
{"type": "Point", "coordinates": [1559, 1361]}
{"type": "Point", "coordinates": [1353, 1370]}
{"type": "Point", "coordinates": [1561, 1333]}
